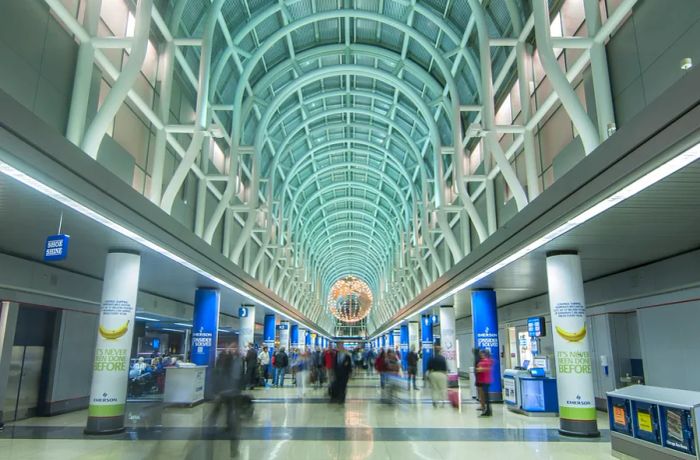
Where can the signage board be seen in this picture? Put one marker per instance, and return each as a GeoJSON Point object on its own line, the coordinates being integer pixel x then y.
{"type": "Point", "coordinates": [56, 247]}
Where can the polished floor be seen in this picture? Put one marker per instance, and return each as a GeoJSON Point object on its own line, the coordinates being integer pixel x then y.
{"type": "Point", "coordinates": [287, 426]}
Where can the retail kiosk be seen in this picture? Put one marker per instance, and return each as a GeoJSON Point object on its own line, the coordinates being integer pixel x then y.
{"type": "Point", "coordinates": [185, 384]}
{"type": "Point", "coordinates": [654, 422]}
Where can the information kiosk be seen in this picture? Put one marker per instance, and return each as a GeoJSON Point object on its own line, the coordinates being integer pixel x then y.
{"type": "Point", "coordinates": [531, 391]}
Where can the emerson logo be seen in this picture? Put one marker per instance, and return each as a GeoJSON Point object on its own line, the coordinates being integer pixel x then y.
{"type": "Point", "coordinates": [105, 399]}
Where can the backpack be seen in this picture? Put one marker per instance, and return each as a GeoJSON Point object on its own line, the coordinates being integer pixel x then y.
{"type": "Point", "coordinates": [272, 361]}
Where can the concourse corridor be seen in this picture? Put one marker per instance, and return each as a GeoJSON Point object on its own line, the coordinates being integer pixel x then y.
{"type": "Point", "coordinates": [285, 426]}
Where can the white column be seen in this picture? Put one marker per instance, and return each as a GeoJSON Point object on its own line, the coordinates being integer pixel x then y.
{"type": "Point", "coordinates": [413, 339]}
{"type": "Point", "coordinates": [112, 352]}
{"type": "Point", "coordinates": [302, 339]}
{"type": "Point", "coordinates": [246, 317]}
{"type": "Point", "coordinates": [448, 341]}
{"type": "Point", "coordinates": [8, 324]}
{"type": "Point", "coordinates": [577, 410]}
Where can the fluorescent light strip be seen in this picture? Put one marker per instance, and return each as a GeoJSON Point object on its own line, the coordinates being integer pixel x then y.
{"type": "Point", "coordinates": [183, 324]}
{"type": "Point", "coordinates": [26, 179]}
{"type": "Point", "coordinates": [644, 182]}
{"type": "Point", "coordinates": [172, 330]}
{"type": "Point", "coordinates": [146, 319]}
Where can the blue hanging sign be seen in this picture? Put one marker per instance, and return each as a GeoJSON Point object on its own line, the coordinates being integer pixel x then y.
{"type": "Point", "coordinates": [56, 247]}
{"type": "Point", "coordinates": [536, 326]}
{"type": "Point", "coordinates": [242, 312]}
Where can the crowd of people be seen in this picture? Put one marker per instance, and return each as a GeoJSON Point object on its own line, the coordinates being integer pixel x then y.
{"type": "Point", "coordinates": [332, 367]}
{"type": "Point", "coordinates": [147, 374]}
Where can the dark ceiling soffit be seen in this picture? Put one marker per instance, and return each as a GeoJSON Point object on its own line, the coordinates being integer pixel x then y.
{"type": "Point", "coordinates": [54, 160]}
{"type": "Point", "coordinates": [671, 120]}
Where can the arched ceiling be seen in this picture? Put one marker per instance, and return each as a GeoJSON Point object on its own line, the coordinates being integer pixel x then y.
{"type": "Point", "coordinates": [342, 116]}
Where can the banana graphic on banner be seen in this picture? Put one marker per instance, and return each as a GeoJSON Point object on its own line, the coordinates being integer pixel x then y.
{"type": "Point", "coordinates": [572, 336]}
{"type": "Point", "coordinates": [113, 334]}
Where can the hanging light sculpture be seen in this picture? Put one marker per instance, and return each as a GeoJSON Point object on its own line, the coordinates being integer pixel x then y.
{"type": "Point", "coordinates": [350, 299]}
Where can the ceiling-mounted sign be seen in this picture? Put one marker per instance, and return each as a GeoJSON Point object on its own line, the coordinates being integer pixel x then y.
{"type": "Point", "coordinates": [56, 247]}
{"type": "Point", "coordinates": [536, 326]}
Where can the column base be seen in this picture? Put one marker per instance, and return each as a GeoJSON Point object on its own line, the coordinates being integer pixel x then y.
{"type": "Point", "coordinates": [579, 428]}
{"type": "Point", "coordinates": [105, 425]}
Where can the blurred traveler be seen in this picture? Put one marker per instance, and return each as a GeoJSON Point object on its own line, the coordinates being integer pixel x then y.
{"type": "Point", "coordinates": [412, 367]}
{"type": "Point", "coordinates": [329, 363]}
{"type": "Point", "coordinates": [341, 373]}
{"type": "Point", "coordinates": [437, 377]}
{"type": "Point", "coordinates": [379, 365]}
{"type": "Point", "coordinates": [302, 366]}
{"type": "Point", "coordinates": [369, 360]}
{"type": "Point", "coordinates": [228, 384]}
{"type": "Point", "coordinates": [483, 381]}
{"type": "Point", "coordinates": [319, 367]}
{"type": "Point", "coordinates": [392, 367]}
{"type": "Point", "coordinates": [251, 364]}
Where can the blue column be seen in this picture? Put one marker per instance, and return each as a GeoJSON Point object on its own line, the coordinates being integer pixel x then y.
{"type": "Point", "coordinates": [205, 328]}
{"type": "Point", "coordinates": [383, 344]}
{"type": "Point", "coordinates": [391, 340]}
{"type": "Point", "coordinates": [317, 341]}
{"type": "Point", "coordinates": [485, 322]}
{"type": "Point", "coordinates": [404, 346]}
{"type": "Point", "coordinates": [426, 326]}
{"type": "Point", "coordinates": [269, 337]}
{"type": "Point", "coordinates": [294, 336]}
{"type": "Point", "coordinates": [307, 339]}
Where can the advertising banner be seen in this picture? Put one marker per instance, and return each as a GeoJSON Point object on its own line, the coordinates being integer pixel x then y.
{"type": "Point", "coordinates": [269, 332]}
{"type": "Point", "coordinates": [246, 316]}
{"type": "Point", "coordinates": [205, 327]}
{"type": "Point", "coordinates": [294, 336]}
{"type": "Point", "coordinates": [448, 338]}
{"type": "Point", "coordinates": [485, 322]}
{"type": "Point", "coordinates": [115, 334]}
{"type": "Point", "coordinates": [404, 346]}
{"type": "Point", "coordinates": [573, 360]}
{"type": "Point", "coordinates": [426, 326]}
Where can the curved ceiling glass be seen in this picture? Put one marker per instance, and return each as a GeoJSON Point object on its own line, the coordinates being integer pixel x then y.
{"type": "Point", "coordinates": [342, 116]}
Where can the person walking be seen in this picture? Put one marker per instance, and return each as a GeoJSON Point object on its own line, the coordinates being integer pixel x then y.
{"type": "Point", "coordinates": [281, 363]}
{"type": "Point", "coordinates": [369, 360]}
{"type": "Point", "coordinates": [251, 364]}
{"type": "Point", "coordinates": [228, 384]}
{"type": "Point", "coordinates": [302, 366]}
{"type": "Point", "coordinates": [437, 377]}
{"type": "Point", "coordinates": [319, 367]}
{"type": "Point", "coordinates": [341, 374]}
{"type": "Point", "coordinates": [264, 363]}
{"type": "Point", "coordinates": [412, 367]}
{"type": "Point", "coordinates": [483, 381]}
{"type": "Point", "coordinates": [391, 375]}
{"type": "Point", "coordinates": [379, 366]}
{"type": "Point", "coordinates": [329, 364]}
